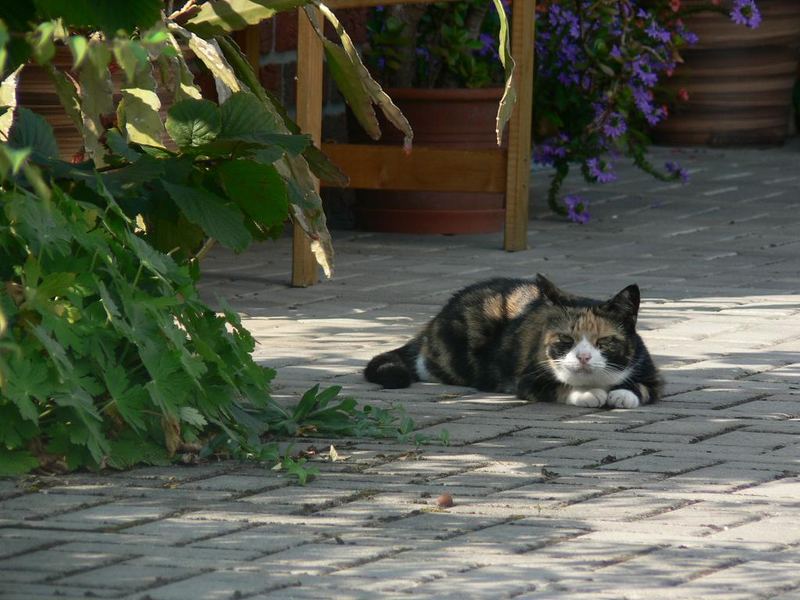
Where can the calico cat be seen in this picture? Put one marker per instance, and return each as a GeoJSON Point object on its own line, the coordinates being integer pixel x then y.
{"type": "Point", "coordinates": [532, 339]}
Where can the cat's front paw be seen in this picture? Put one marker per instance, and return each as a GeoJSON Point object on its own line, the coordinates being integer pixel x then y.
{"type": "Point", "coordinates": [622, 399]}
{"type": "Point", "coordinates": [588, 398]}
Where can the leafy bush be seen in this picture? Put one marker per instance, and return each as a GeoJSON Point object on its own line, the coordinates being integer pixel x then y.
{"type": "Point", "coordinates": [107, 355]}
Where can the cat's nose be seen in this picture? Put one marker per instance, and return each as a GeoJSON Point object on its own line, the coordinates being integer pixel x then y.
{"type": "Point", "coordinates": [584, 357]}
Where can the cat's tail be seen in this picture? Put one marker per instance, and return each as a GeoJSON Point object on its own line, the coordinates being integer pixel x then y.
{"type": "Point", "coordinates": [396, 368]}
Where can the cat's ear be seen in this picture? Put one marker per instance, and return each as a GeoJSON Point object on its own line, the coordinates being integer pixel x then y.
{"type": "Point", "coordinates": [625, 304]}
{"type": "Point", "coordinates": [550, 292]}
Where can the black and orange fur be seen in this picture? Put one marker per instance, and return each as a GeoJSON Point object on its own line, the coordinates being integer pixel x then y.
{"type": "Point", "coordinates": [508, 335]}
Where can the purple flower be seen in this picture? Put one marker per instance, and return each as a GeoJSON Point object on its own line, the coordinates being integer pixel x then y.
{"type": "Point", "coordinates": [642, 71]}
{"type": "Point", "coordinates": [487, 45]}
{"type": "Point", "coordinates": [598, 171]}
{"type": "Point", "coordinates": [615, 126]}
{"type": "Point", "coordinates": [677, 171]}
{"type": "Point", "coordinates": [745, 12]}
{"type": "Point", "coordinates": [657, 33]}
{"type": "Point", "coordinates": [577, 209]}
{"type": "Point", "coordinates": [547, 153]}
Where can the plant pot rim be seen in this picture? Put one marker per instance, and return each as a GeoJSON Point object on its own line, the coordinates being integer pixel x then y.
{"type": "Point", "coordinates": [451, 94]}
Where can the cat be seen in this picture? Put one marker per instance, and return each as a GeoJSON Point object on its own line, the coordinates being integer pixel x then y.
{"type": "Point", "coordinates": [532, 339]}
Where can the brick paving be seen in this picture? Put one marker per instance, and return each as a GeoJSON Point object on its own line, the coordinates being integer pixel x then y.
{"type": "Point", "coordinates": [695, 497]}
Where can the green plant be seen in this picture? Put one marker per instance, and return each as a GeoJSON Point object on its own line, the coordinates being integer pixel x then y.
{"type": "Point", "coordinates": [107, 355]}
{"type": "Point", "coordinates": [444, 44]}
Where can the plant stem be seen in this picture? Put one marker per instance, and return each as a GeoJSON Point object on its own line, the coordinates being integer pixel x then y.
{"type": "Point", "coordinates": [209, 243]}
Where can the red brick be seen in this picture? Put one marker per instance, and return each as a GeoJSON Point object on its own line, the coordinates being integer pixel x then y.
{"type": "Point", "coordinates": [267, 32]}
{"type": "Point", "coordinates": [272, 79]}
{"type": "Point", "coordinates": [286, 31]}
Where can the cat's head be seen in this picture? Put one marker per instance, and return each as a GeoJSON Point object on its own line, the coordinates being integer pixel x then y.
{"type": "Point", "coordinates": [589, 343]}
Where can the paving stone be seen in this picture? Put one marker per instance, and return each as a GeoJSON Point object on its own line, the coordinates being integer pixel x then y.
{"type": "Point", "coordinates": [222, 585]}
{"type": "Point", "coordinates": [57, 560]}
{"type": "Point", "coordinates": [129, 576]}
{"type": "Point", "coordinates": [183, 530]}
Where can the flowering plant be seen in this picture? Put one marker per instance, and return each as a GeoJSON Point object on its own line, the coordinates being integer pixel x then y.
{"type": "Point", "coordinates": [598, 66]}
{"type": "Point", "coordinates": [440, 45]}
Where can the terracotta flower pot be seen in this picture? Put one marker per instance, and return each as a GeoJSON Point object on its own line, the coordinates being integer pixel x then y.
{"type": "Point", "coordinates": [453, 118]}
{"type": "Point", "coordinates": [739, 80]}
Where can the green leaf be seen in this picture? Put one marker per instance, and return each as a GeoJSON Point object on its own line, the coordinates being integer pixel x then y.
{"type": "Point", "coordinates": [8, 98]}
{"type": "Point", "coordinates": [125, 453]}
{"type": "Point", "coordinates": [323, 168]}
{"type": "Point", "coordinates": [192, 416]}
{"type": "Point", "coordinates": [151, 258]}
{"type": "Point", "coordinates": [131, 56]}
{"type": "Point", "coordinates": [138, 111]}
{"type": "Point", "coordinates": [131, 402]}
{"type": "Point", "coordinates": [15, 432]}
{"type": "Point", "coordinates": [291, 144]}
{"type": "Point", "coordinates": [245, 72]}
{"type": "Point", "coordinates": [11, 160]}
{"type": "Point", "coordinates": [41, 41]}
{"type": "Point", "coordinates": [306, 404]}
{"type": "Point", "coordinates": [33, 131]}
{"type": "Point", "coordinates": [299, 469]}
{"type": "Point", "coordinates": [268, 155]}
{"type": "Point", "coordinates": [55, 284]}
{"type": "Point", "coordinates": [131, 177]}
{"type": "Point", "coordinates": [107, 15]}
{"type": "Point", "coordinates": [243, 114]}
{"type": "Point", "coordinates": [16, 462]}
{"type": "Point", "coordinates": [119, 145]}
{"type": "Point", "coordinates": [509, 93]}
{"type": "Point", "coordinates": [78, 45]}
{"type": "Point", "coordinates": [355, 82]}
{"type": "Point", "coordinates": [96, 98]}
{"type": "Point", "coordinates": [43, 227]}
{"type": "Point", "coordinates": [218, 219]}
{"type": "Point", "coordinates": [28, 380]}
{"type": "Point", "coordinates": [193, 122]}
{"type": "Point", "coordinates": [257, 189]}
{"type": "Point", "coordinates": [67, 93]}
{"type": "Point", "coordinates": [58, 354]}
{"type": "Point", "coordinates": [223, 16]}
{"type": "Point", "coordinates": [211, 57]}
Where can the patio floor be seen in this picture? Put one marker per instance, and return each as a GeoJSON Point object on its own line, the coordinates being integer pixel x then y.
{"type": "Point", "coordinates": [697, 496]}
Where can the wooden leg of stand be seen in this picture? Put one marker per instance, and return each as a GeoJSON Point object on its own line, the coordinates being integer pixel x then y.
{"type": "Point", "coordinates": [309, 117]}
{"type": "Point", "coordinates": [519, 127]}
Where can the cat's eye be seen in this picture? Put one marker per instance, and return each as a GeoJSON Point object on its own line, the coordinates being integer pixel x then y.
{"type": "Point", "coordinates": [565, 339]}
{"type": "Point", "coordinates": [607, 341]}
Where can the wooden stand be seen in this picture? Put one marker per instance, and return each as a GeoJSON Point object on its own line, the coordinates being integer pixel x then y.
{"type": "Point", "coordinates": [432, 169]}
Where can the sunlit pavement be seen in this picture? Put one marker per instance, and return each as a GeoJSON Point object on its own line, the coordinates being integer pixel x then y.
{"type": "Point", "coordinates": [694, 497]}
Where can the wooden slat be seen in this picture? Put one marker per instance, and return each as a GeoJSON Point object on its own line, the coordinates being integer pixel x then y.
{"type": "Point", "coordinates": [424, 169]}
{"type": "Point", "coordinates": [252, 46]}
{"type": "Point", "coordinates": [519, 127]}
{"type": "Point", "coordinates": [309, 118]}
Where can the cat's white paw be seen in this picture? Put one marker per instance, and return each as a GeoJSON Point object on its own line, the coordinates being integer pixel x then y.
{"type": "Point", "coordinates": [588, 398]}
{"type": "Point", "coordinates": [622, 399]}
